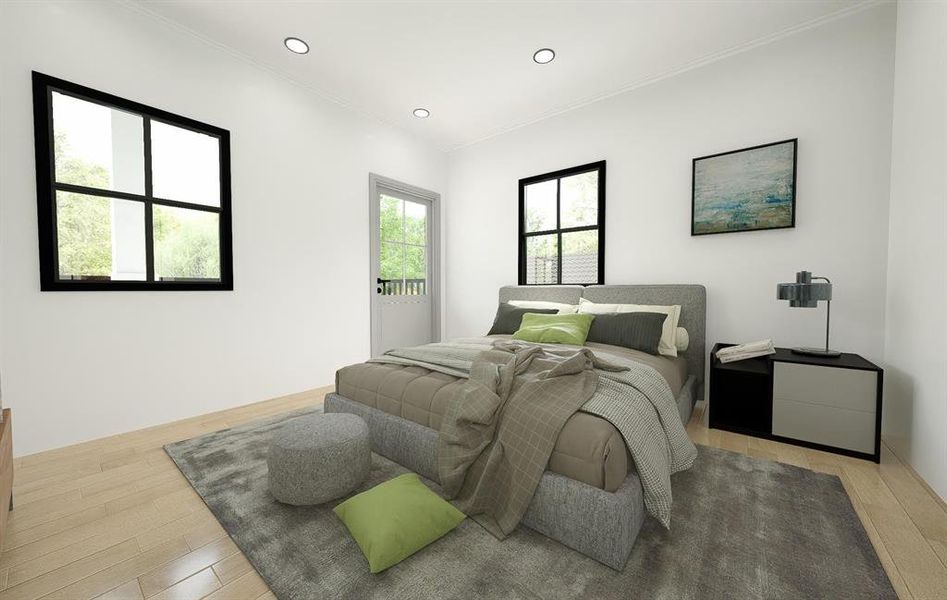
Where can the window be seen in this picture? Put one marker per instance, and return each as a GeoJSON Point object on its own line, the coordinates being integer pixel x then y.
{"type": "Point", "coordinates": [402, 267]}
{"type": "Point", "coordinates": [562, 227]}
{"type": "Point", "coordinates": [129, 197]}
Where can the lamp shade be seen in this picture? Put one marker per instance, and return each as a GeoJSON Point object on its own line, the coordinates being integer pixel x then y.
{"type": "Point", "coordinates": [803, 293]}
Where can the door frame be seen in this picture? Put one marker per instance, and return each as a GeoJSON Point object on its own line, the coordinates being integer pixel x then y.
{"type": "Point", "coordinates": [375, 183]}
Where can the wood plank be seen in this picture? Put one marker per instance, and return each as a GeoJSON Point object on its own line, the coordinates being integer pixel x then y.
{"type": "Point", "coordinates": [92, 482]}
{"type": "Point", "coordinates": [176, 528]}
{"type": "Point", "coordinates": [141, 517]}
{"type": "Point", "coordinates": [232, 568]}
{"type": "Point", "coordinates": [27, 536]}
{"type": "Point", "coordinates": [30, 569]}
{"type": "Point", "coordinates": [760, 448]}
{"type": "Point", "coordinates": [189, 564]}
{"type": "Point", "coordinates": [71, 573]}
{"type": "Point", "coordinates": [940, 549]}
{"type": "Point", "coordinates": [928, 515]}
{"type": "Point", "coordinates": [119, 573]}
{"type": "Point", "coordinates": [205, 534]}
{"type": "Point", "coordinates": [198, 585]}
{"type": "Point", "coordinates": [96, 485]}
{"type": "Point", "coordinates": [923, 572]}
{"type": "Point", "coordinates": [115, 500]}
{"type": "Point", "coordinates": [145, 496]}
{"type": "Point", "coordinates": [734, 442]}
{"type": "Point", "coordinates": [792, 455]}
{"type": "Point", "coordinates": [126, 591]}
{"type": "Point", "coordinates": [246, 587]}
{"type": "Point", "coordinates": [897, 582]}
{"type": "Point", "coordinates": [135, 457]}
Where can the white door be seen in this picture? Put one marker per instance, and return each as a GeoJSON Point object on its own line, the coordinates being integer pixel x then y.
{"type": "Point", "coordinates": [404, 282]}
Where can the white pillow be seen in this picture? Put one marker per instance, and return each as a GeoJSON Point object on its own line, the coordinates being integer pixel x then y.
{"type": "Point", "coordinates": [668, 343]}
{"type": "Point", "coordinates": [564, 309]}
{"type": "Point", "coordinates": [683, 340]}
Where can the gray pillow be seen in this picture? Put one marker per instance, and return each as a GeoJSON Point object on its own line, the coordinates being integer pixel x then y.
{"type": "Point", "coordinates": [635, 330]}
{"type": "Point", "coordinates": [508, 318]}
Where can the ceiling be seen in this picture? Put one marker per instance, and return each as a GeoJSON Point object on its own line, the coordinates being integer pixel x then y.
{"type": "Point", "coordinates": [471, 63]}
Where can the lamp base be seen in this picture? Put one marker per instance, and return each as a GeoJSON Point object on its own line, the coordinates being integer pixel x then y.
{"type": "Point", "coordinates": [817, 352]}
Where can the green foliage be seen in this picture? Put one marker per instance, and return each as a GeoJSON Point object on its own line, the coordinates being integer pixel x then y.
{"type": "Point", "coordinates": [399, 230]}
{"type": "Point", "coordinates": [187, 243]}
{"type": "Point", "coordinates": [580, 242]}
{"type": "Point", "coordinates": [579, 205]}
{"type": "Point", "coordinates": [84, 222]}
{"type": "Point", "coordinates": [580, 199]}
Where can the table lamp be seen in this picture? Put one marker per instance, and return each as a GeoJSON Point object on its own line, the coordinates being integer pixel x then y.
{"type": "Point", "coordinates": [805, 294]}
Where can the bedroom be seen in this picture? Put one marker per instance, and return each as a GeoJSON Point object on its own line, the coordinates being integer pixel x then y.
{"type": "Point", "coordinates": [99, 381]}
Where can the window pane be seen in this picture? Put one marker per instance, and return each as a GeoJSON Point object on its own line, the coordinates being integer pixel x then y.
{"type": "Point", "coordinates": [392, 261]}
{"type": "Point", "coordinates": [391, 219]}
{"type": "Point", "coordinates": [187, 244]}
{"type": "Point", "coordinates": [542, 259]}
{"type": "Point", "coordinates": [415, 223]}
{"type": "Point", "coordinates": [415, 270]}
{"type": "Point", "coordinates": [580, 257]}
{"type": "Point", "coordinates": [540, 206]}
{"type": "Point", "coordinates": [185, 165]}
{"type": "Point", "coordinates": [100, 238]}
{"type": "Point", "coordinates": [578, 197]}
{"type": "Point", "coordinates": [96, 146]}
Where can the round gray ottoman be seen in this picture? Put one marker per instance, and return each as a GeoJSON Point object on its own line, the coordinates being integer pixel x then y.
{"type": "Point", "coordinates": [317, 458]}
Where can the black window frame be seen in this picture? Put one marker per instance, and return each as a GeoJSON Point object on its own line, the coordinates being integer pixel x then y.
{"type": "Point", "coordinates": [46, 188]}
{"type": "Point", "coordinates": [598, 166]}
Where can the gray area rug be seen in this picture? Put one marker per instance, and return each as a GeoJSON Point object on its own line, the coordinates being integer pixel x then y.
{"type": "Point", "coordinates": [741, 528]}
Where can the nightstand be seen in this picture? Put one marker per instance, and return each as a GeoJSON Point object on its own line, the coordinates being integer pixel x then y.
{"type": "Point", "coordinates": [831, 404]}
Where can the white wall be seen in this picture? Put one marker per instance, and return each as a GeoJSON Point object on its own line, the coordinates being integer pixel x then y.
{"type": "Point", "coordinates": [830, 86]}
{"type": "Point", "coordinates": [82, 365]}
{"type": "Point", "coordinates": [915, 351]}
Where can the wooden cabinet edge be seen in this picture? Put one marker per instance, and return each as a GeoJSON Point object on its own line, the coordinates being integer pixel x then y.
{"type": "Point", "coordinates": [6, 470]}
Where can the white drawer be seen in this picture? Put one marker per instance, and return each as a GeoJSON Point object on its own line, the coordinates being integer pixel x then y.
{"type": "Point", "coordinates": [838, 427]}
{"type": "Point", "coordinates": [850, 389]}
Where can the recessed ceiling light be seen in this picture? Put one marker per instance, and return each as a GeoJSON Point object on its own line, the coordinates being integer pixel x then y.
{"type": "Point", "coordinates": [296, 45]}
{"type": "Point", "coordinates": [422, 113]}
{"type": "Point", "coordinates": [544, 55]}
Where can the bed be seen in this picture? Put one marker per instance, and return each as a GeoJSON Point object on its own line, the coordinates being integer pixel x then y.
{"type": "Point", "coordinates": [590, 497]}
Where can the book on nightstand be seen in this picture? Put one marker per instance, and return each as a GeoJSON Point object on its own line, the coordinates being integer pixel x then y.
{"type": "Point", "coordinates": [745, 351]}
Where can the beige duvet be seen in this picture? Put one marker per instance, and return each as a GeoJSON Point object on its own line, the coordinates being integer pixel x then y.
{"type": "Point", "coordinates": [589, 448]}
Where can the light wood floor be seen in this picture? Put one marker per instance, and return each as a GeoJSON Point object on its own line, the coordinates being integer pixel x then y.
{"type": "Point", "coordinates": [114, 518]}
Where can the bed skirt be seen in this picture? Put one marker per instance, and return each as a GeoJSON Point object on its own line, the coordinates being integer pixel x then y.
{"type": "Point", "coordinates": [599, 524]}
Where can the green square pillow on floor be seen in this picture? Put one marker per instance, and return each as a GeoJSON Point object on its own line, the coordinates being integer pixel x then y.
{"type": "Point", "coordinates": [395, 519]}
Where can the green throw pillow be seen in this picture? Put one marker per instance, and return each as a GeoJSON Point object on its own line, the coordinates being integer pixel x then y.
{"type": "Point", "coordinates": [395, 519]}
{"type": "Point", "coordinates": [554, 329]}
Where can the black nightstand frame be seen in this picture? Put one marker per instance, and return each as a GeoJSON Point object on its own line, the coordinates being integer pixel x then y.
{"type": "Point", "coordinates": [741, 396]}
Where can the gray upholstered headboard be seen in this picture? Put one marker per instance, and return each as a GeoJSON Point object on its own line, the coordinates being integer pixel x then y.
{"type": "Point", "coordinates": [691, 297]}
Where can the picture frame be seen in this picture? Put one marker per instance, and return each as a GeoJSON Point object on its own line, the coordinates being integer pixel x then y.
{"type": "Point", "coordinates": [750, 189]}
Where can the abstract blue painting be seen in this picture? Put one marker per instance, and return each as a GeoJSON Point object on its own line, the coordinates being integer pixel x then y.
{"type": "Point", "coordinates": [745, 190]}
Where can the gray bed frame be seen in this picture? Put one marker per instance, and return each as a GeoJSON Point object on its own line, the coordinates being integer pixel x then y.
{"type": "Point", "coordinates": [602, 525]}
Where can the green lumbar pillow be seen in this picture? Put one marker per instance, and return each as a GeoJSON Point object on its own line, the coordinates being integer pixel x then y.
{"type": "Point", "coordinates": [555, 329]}
{"type": "Point", "coordinates": [395, 519]}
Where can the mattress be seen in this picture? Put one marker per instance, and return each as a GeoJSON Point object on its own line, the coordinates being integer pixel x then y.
{"type": "Point", "coordinates": [589, 449]}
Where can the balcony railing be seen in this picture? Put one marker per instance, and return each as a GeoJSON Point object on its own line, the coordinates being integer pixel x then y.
{"type": "Point", "coordinates": [402, 287]}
